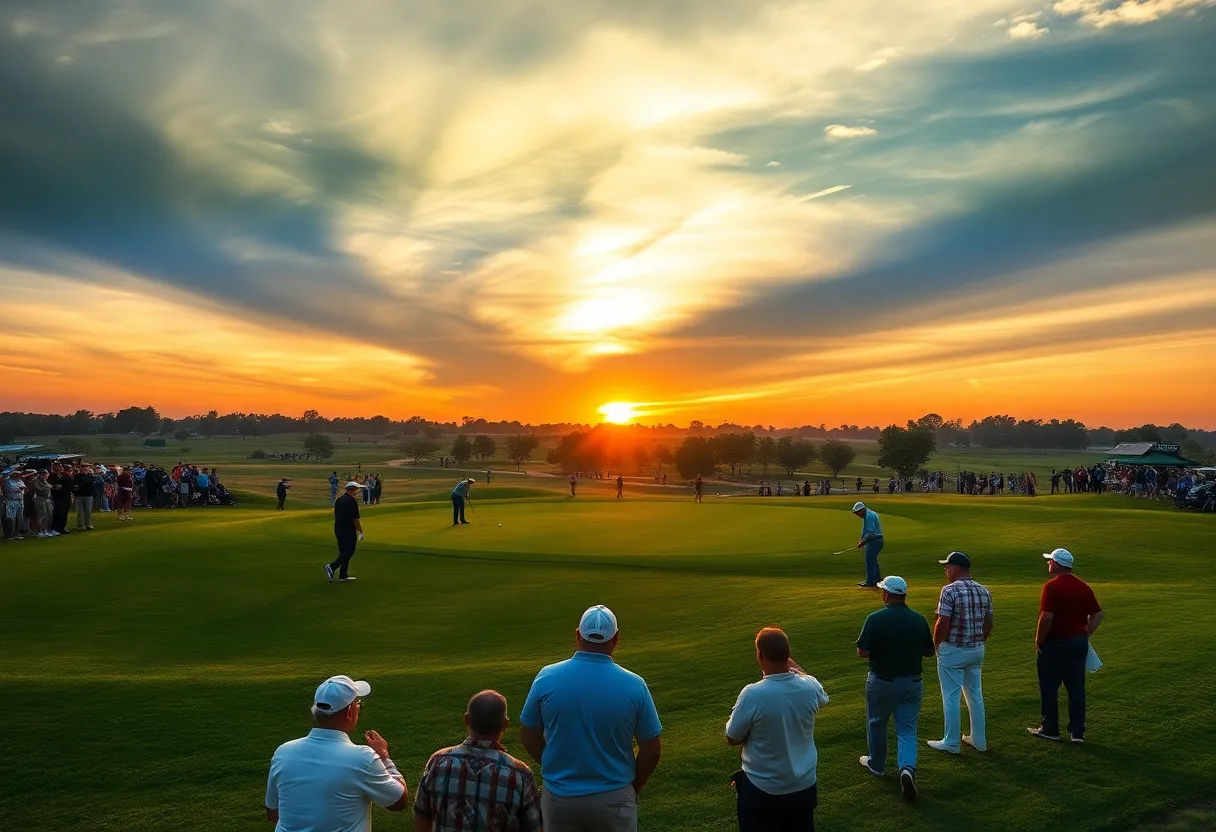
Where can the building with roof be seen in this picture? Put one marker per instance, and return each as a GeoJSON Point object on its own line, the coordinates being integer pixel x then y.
{"type": "Point", "coordinates": [1150, 453]}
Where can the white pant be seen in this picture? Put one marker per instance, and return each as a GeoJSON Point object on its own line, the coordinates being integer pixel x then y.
{"type": "Point", "coordinates": [958, 671]}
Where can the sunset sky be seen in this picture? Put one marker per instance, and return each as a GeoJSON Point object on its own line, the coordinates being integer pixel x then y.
{"type": "Point", "coordinates": [842, 211]}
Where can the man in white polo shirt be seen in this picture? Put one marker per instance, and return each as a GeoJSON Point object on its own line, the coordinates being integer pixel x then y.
{"type": "Point", "coordinates": [774, 721]}
{"type": "Point", "coordinates": [324, 782]}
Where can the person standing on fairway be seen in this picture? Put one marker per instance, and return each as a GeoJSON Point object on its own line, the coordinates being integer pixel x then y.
{"type": "Point", "coordinates": [962, 627]}
{"type": "Point", "coordinates": [573, 483]}
{"type": "Point", "coordinates": [325, 781]}
{"type": "Point", "coordinates": [871, 541]}
{"type": "Point", "coordinates": [281, 492]}
{"type": "Point", "coordinates": [698, 486]}
{"type": "Point", "coordinates": [348, 529]}
{"type": "Point", "coordinates": [620, 486]}
{"type": "Point", "coordinates": [579, 722]}
{"type": "Point", "coordinates": [477, 784]}
{"type": "Point", "coordinates": [774, 721]}
{"type": "Point", "coordinates": [895, 640]}
{"type": "Point", "coordinates": [333, 487]}
{"type": "Point", "coordinates": [1068, 615]}
{"type": "Point", "coordinates": [460, 495]}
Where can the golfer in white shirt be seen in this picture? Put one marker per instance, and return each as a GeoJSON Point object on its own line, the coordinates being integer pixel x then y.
{"type": "Point", "coordinates": [324, 782]}
{"type": "Point", "coordinates": [774, 721]}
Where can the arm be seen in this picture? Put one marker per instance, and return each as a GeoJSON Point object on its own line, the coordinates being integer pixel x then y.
{"type": "Point", "coordinates": [1044, 626]}
{"type": "Point", "coordinates": [987, 625]}
{"type": "Point", "coordinates": [359, 525]}
{"type": "Point", "coordinates": [379, 782]}
{"type": "Point", "coordinates": [1095, 621]}
{"type": "Point", "coordinates": [941, 629]}
{"type": "Point", "coordinates": [647, 761]}
{"type": "Point", "coordinates": [533, 740]}
{"type": "Point", "coordinates": [272, 815]}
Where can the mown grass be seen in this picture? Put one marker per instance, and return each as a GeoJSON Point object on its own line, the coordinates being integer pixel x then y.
{"type": "Point", "coordinates": [152, 668]}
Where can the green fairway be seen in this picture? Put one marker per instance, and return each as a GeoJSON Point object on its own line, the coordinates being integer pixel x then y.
{"type": "Point", "coordinates": [152, 668]}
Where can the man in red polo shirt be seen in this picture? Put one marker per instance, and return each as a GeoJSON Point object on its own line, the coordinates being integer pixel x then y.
{"type": "Point", "coordinates": [1068, 615]}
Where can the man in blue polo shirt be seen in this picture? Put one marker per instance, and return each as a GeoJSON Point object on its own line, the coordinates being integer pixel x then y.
{"type": "Point", "coordinates": [871, 541]}
{"type": "Point", "coordinates": [579, 722]}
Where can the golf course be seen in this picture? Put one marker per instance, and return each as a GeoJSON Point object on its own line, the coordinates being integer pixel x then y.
{"type": "Point", "coordinates": [151, 668]}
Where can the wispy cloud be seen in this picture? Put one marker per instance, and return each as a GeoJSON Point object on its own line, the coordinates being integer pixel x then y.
{"type": "Point", "coordinates": [1103, 13]}
{"type": "Point", "coordinates": [841, 131]}
{"type": "Point", "coordinates": [1026, 30]}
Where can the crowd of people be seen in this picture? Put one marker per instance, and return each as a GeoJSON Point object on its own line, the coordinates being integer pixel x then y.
{"type": "Point", "coordinates": [40, 501]}
{"type": "Point", "coordinates": [594, 728]}
{"type": "Point", "coordinates": [371, 486]}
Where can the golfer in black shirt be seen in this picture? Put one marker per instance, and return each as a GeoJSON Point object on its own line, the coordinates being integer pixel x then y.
{"type": "Point", "coordinates": [348, 529]}
{"type": "Point", "coordinates": [281, 492]}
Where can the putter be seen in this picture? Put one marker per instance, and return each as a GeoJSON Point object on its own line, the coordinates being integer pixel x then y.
{"type": "Point", "coordinates": [843, 551]}
{"type": "Point", "coordinates": [475, 517]}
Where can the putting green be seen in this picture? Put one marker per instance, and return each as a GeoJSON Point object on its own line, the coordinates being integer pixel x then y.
{"type": "Point", "coordinates": [153, 667]}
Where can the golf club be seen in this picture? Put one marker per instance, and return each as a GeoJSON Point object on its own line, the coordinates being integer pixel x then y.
{"type": "Point", "coordinates": [475, 517]}
{"type": "Point", "coordinates": [843, 551]}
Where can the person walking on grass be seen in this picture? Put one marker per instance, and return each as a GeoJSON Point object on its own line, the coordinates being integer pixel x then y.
{"type": "Point", "coordinates": [895, 640]}
{"type": "Point", "coordinates": [348, 529]}
{"type": "Point", "coordinates": [871, 541]}
{"type": "Point", "coordinates": [460, 496]}
{"type": "Point", "coordinates": [477, 784]}
{"type": "Point", "coordinates": [620, 487]}
{"type": "Point", "coordinates": [280, 491]}
{"type": "Point", "coordinates": [960, 631]}
{"type": "Point", "coordinates": [1068, 615]}
{"type": "Point", "coordinates": [323, 781]}
{"type": "Point", "coordinates": [773, 722]}
{"type": "Point", "coordinates": [573, 484]}
{"type": "Point", "coordinates": [580, 721]}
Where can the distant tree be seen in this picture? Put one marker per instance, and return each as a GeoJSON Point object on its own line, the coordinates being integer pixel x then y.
{"type": "Point", "coordinates": [931, 420]}
{"type": "Point", "coordinates": [642, 457]}
{"type": "Point", "coordinates": [734, 449]}
{"type": "Point", "coordinates": [1174, 434]}
{"type": "Point", "coordinates": [766, 453]}
{"type": "Point", "coordinates": [319, 444]}
{"type": "Point", "coordinates": [419, 447]}
{"type": "Point", "coordinates": [75, 445]}
{"type": "Point", "coordinates": [141, 420]}
{"type": "Point", "coordinates": [8, 432]}
{"type": "Point", "coordinates": [520, 448]}
{"type": "Point", "coordinates": [311, 420]}
{"type": "Point", "coordinates": [248, 426]}
{"type": "Point", "coordinates": [663, 456]}
{"type": "Point", "coordinates": [906, 450]}
{"type": "Point", "coordinates": [695, 456]}
{"type": "Point", "coordinates": [836, 456]}
{"type": "Point", "coordinates": [484, 447]}
{"type": "Point", "coordinates": [258, 454]}
{"type": "Point", "coordinates": [209, 425]}
{"type": "Point", "coordinates": [111, 443]}
{"type": "Point", "coordinates": [79, 422]}
{"type": "Point", "coordinates": [793, 453]}
{"type": "Point", "coordinates": [462, 449]}
{"type": "Point", "coordinates": [1197, 451]}
{"type": "Point", "coordinates": [181, 434]}
{"type": "Point", "coordinates": [577, 451]}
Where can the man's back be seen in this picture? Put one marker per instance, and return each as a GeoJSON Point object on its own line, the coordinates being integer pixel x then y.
{"type": "Point", "coordinates": [591, 709]}
{"type": "Point", "coordinates": [1071, 602]}
{"type": "Point", "coordinates": [897, 638]}
{"type": "Point", "coordinates": [478, 785]}
{"type": "Point", "coordinates": [325, 783]}
{"type": "Point", "coordinates": [967, 603]}
{"type": "Point", "coordinates": [346, 511]}
{"type": "Point", "coordinates": [775, 718]}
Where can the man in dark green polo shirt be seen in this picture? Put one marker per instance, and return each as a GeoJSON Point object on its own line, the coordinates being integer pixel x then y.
{"type": "Point", "coordinates": [895, 640]}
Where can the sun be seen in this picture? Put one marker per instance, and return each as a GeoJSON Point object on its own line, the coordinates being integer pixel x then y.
{"type": "Point", "coordinates": [618, 413]}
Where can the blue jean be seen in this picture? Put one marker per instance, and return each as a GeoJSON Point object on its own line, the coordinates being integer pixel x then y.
{"type": "Point", "coordinates": [900, 698]}
{"type": "Point", "coordinates": [457, 510]}
{"type": "Point", "coordinates": [873, 547]}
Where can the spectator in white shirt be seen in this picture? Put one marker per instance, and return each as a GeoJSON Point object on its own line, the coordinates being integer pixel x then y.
{"type": "Point", "coordinates": [774, 721]}
{"type": "Point", "coordinates": [324, 782]}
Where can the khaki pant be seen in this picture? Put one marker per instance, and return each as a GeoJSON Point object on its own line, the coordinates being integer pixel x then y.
{"type": "Point", "coordinates": [46, 511]}
{"type": "Point", "coordinates": [614, 811]}
{"type": "Point", "coordinates": [84, 512]}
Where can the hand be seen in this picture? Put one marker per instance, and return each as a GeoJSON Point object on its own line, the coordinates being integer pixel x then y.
{"type": "Point", "coordinates": [794, 668]}
{"type": "Point", "coordinates": [360, 535]}
{"type": "Point", "coordinates": [860, 544]}
{"type": "Point", "coordinates": [377, 743]}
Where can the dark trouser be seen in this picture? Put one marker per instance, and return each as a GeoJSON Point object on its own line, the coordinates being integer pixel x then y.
{"type": "Point", "coordinates": [760, 811]}
{"type": "Point", "coordinates": [204, 495]}
{"type": "Point", "coordinates": [282, 501]}
{"type": "Point", "coordinates": [346, 550]}
{"type": "Point", "coordinates": [59, 519]}
{"type": "Point", "coordinates": [1063, 661]}
{"type": "Point", "coordinates": [458, 509]}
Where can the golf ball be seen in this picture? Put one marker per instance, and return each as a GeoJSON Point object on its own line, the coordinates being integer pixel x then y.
{"type": "Point", "coordinates": [500, 525]}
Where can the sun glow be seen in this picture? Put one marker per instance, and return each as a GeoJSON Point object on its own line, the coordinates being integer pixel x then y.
{"type": "Point", "coordinates": [619, 413]}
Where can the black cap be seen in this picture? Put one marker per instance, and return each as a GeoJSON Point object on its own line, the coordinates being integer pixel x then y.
{"type": "Point", "coordinates": [956, 559]}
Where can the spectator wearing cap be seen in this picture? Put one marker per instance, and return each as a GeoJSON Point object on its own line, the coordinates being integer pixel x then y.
{"type": "Point", "coordinates": [579, 722]}
{"type": "Point", "coordinates": [460, 496]}
{"type": "Point", "coordinates": [774, 722]}
{"type": "Point", "coordinates": [348, 529]}
{"type": "Point", "coordinates": [871, 541]}
{"type": "Point", "coordinates": [1068, 615]}
{"type": "Point", "coordinates": [895, 640]}
{"type": "Point", "coordinates": [477, 784]}
{"type": "Point", "coordinates": [323, 781]}
{"type": "Point", "coordinates": [962, 627]}
{"type": "Point", "coordinates": [13, 487]}
{"type": "Point", "coordinates": [82, 488]}
{"type": "Point", "coordinates": [43, 506]}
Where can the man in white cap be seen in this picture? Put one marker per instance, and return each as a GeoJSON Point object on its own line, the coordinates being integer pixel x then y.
{"type": "Point", "coordinates": [323, 781]}
{"type": "Point", "coordinates": [460, 496]}
{"type": "Point", "coordinates": [348, 529]}
{"type": "Point", "coordinates": [896, 640]}
{"type": "Point", "coordinates": [871, 541]}
{"type": "Point", "coordinates": [13, 486]}
{"type": "Point", "coordinates": [579, 722]}
{"type": "Point", "coordinates": [962, 627]}
{"type": "Point", "coordinates": [1068, 615]}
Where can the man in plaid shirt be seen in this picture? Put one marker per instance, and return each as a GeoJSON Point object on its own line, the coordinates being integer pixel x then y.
{"type": "Point", "coordinates": [963, 624]}
{"type": "Point", "coordinates": [477, 785]}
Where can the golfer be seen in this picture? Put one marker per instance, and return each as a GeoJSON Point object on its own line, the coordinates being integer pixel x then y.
{"type": "Point", "coordinates": [281, 492]}
{"type": "Point", "coordinates": [895, 640]}
{"type": "Point", "coordinates": [620, 487]}
{"type": "Point", "coordinates": [698, 485]}
{"type": "Point", "coordinates": [580, 721]}
{"type": "Point", "coordinates": [871, 541]}
{"type": "Point", "coordinates": [962, 627]}
{"type": "Point", "coordinates": [1068, 615]}
{"type": "Point", "coordinates": [348, 529]}
{"type": "Point", "coordinates": [573, 484]}
{"type": "Point", "coordinates": [460, 495]}
{"type": "Point", "coordinates": [325, 781]}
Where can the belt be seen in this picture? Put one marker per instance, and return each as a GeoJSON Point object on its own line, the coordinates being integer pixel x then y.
{"type": "Point", "coordinates": [893, 678]}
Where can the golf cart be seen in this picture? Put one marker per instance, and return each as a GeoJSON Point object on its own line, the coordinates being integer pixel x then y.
{"type": "Point", "coordinates": [1201, 497]}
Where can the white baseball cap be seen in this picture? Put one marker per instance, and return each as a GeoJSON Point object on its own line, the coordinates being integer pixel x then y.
{"type": "Point", "coordinates": [894, 585]}
{"type": "Point", "coordinates": [598, 624]}
{"type": "Point", "coordinates": [858, 506]}
{"type": "Point", "coordinates": [1060, 556]}
{"type": "Point", "coordinates": [353, 484]}
{"type": "Point", "coordinates": [336, 693]}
